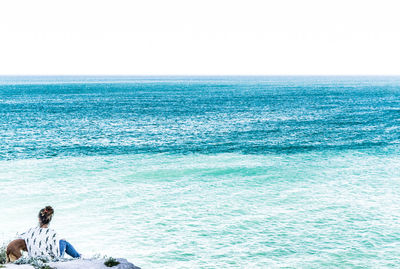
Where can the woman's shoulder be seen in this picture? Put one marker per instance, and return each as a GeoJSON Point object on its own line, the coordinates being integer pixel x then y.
{"type": "Point", "coordinates": [31, 230]}
{"type": "Point", "coordinates": [48, 230]}
{"type": "Point", "coordinates": [38, 231]}
{"type": "Point", "coordinates": [29, 233]}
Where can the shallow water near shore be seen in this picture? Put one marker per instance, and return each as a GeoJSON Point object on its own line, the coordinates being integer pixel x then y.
{"type": "Point", "coordinates": [213, 173]}
{"type": "Point", "coordinates": [216, 210]}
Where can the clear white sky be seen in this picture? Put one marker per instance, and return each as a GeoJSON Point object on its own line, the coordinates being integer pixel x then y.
{"type": "Point", "coordinates": [203, 37]}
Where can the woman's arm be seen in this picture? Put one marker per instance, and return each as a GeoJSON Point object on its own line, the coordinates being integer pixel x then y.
{"type": "Point", "coordinates": [23, 235]}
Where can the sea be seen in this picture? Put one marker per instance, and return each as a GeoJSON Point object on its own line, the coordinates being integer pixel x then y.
{"type": "Point", "coordinates": [207, 172]}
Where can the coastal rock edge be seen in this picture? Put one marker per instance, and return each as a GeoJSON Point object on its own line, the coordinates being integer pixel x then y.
{"type": "Point", "coordinates": [79, 264]}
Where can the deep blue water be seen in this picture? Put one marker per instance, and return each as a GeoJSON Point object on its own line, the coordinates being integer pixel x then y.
{"type": "Point", "coordinates": [48, 117]}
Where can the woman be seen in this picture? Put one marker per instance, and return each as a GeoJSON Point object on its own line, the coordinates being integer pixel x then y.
{"type": "Point", "coordinates": [43, 241]}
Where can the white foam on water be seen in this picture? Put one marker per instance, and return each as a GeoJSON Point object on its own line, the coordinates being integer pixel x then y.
{"type": "Point", "coordinates": [223, 210]}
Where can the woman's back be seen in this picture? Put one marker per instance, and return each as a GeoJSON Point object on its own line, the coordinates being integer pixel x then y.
{"type": "Point", "coordinates": [42, 242]}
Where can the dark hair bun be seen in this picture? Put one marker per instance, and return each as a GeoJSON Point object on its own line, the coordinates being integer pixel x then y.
{"type": "Point", "coordinates": [45, 215]}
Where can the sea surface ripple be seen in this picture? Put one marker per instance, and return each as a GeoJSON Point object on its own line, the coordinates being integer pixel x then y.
{"type": "Point", "coordinates": [248, 115]}
{"type": "Point", "coordinates": [207, 172]}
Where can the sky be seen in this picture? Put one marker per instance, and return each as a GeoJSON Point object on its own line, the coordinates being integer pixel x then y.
{"type": "Point", "coordinates": [204, 37]}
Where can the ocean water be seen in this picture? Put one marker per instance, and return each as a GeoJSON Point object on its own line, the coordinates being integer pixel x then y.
{"type": "Point", "coordinates": [207, 172]}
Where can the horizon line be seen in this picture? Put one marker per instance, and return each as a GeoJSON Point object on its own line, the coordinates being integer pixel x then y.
{"type": "Point", "coordinates": [200, 75]}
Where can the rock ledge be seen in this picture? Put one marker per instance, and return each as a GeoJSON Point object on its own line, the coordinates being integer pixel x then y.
{"type": "Point", "coordinates": [79, 264]}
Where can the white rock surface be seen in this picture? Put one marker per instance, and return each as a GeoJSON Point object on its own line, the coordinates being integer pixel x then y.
{"type": "Point", "coordinates": [79, 264]}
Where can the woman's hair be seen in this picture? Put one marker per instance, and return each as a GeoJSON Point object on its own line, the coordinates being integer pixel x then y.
{"type": "Point", "coordinates": [45, 215]}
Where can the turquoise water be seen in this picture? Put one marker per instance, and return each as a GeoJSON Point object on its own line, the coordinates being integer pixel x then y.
{"type": "Point", "coordinates": [254, 172]}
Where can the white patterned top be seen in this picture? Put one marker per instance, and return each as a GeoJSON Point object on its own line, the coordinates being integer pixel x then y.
{"type": "Point", "coordinates": [42, 242]}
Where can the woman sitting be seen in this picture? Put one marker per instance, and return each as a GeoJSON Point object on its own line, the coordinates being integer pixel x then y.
{"type": "Point", "coordinates": [43, 241]}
